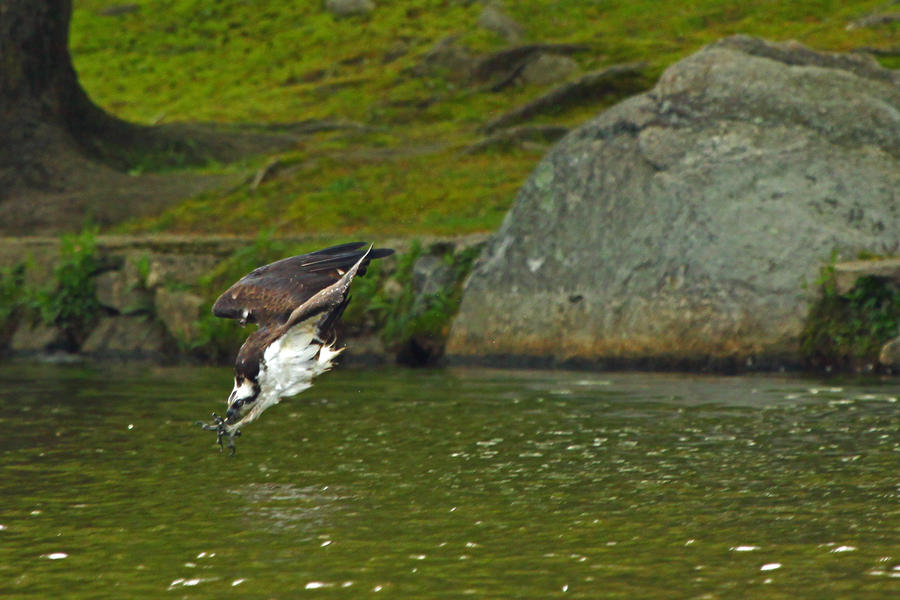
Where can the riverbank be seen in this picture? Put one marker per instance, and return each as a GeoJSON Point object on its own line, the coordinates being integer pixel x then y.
{"type": "Point", "coordinates": [147, 298]}
{"type": "Point", "coordinates": [109, 297]}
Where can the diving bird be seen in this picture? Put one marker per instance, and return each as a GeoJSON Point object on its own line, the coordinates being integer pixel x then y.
{"type": "Point", "coordinates": [296, 303]}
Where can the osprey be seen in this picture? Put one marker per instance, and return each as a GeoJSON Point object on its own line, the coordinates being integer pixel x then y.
{"type": "Point", "coordinates": [296, 302]}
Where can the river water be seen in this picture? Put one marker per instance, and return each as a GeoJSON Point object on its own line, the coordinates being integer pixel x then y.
{"type": "Point", "coordinates": [450, 484]}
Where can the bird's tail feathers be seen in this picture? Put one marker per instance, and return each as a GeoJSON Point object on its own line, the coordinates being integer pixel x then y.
{"type": "Point", "coordinates": [327, 354]}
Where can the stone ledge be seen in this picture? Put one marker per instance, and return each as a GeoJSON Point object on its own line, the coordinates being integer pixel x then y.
{"type": "Point", "coordinates": [846, 273]}
{"type": "Point", "coordinates": [147, 287]}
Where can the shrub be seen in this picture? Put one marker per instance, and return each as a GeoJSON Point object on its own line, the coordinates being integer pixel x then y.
{"type": "Point", "coordinates": [848, 330]}
{"type": "Point", "coordinates": [70, 301]}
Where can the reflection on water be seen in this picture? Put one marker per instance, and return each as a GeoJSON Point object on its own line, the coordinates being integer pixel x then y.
{"type": "Point", "coordinates": [432, 484]}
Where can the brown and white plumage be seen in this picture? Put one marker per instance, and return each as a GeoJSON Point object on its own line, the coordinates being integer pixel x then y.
{"type": "Point", "coordinates": [296, 302]}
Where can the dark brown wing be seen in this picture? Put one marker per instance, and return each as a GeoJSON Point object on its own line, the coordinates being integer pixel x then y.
{"type": "Point", "coordinates": [273, 291]}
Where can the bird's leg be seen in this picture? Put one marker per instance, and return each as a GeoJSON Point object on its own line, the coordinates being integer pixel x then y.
{"type": "Point", "coordinates": [231, 436]}
{"type": "Point", "coordinates": [221, 428]}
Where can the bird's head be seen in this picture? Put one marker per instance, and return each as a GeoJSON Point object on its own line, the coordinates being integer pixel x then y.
{"type": "Point", "coordinates": [244, 394]}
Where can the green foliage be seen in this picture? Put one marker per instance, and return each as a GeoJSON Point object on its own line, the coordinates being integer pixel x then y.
{"type": "Point", "coordinates": [397, 317]}
{"type": "Point", "coordinates": [142, 265]}
{"type": "Point", "coordinates": [70, 302]}
{"type": "Point", "coordinates": [13, 295]}
{"type": "Point", "coordinates": [398, 311]}
{"type": "Point", "coordinates": [215, 340]}
{"type": "Point", "coordinates": [848, 330]}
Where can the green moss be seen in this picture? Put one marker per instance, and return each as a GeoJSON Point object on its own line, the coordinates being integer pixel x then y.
{"type": "Point", "coordinates": [848, 330]}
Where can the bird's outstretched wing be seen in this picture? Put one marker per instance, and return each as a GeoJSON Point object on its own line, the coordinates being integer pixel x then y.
{"type": "Point", "coordinates": [272, 292]}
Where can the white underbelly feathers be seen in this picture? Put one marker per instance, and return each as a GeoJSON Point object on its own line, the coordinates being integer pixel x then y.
{"type": "Point", "coordinates": [290, 364]}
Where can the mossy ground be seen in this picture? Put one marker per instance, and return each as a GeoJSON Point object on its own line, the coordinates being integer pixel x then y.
{"type": "Point", "coordinates": [402, 171]}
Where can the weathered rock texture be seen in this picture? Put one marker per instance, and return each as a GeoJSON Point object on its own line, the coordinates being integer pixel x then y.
{"type": "Point", "coordinates": [681, 224]}
{"type": "Point", "coordinates": [142, 288]}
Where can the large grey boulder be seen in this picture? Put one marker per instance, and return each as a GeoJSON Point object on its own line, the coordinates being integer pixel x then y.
{"type": "Point", "coordinates": [682, 224]}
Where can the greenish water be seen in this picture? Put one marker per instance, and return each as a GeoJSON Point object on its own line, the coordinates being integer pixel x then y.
{"type": "Point", "coordinates": [449, 484]}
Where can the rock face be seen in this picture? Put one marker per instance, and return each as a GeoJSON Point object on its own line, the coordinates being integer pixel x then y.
{"type": "Point", "coordinates": [349, 8]}
{"type": "Point", "coordinates": [681, 225]}
{"type": "Point", "coordinates": [178, 311]}
{"type": "Point", "coordinates": [548, 68]}
{"type": "Point", "coordinates": [493, 18]}
{"type": "Point", "coordinates": [890, 353]}
{"type": "Point", "coordinates": [125, 337]}
{"type": "Point", "coordinates": [122, 290]}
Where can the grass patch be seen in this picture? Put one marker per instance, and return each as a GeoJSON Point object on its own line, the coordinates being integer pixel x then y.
{"type": "Point", "coordinates": [275, 61]}
{"type": "Point", "coordinates": [366, 195]}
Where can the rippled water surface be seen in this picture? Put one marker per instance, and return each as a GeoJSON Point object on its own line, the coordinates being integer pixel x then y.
{"type": "Point", "coordinates": [445, 484]}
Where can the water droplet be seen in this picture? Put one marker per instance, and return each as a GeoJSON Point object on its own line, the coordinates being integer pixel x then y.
{"type": "Point", "coordinates": [770, 566]}
{"type": "Point", "coordinates": [56, 555]}
{"type": "Point", "coordinates": [844, 549]}
{"type": "Point", "coordinates": [744, 548]}
{"type": "Point", "coordinates": [315, 585]}
{"type": "Point", "coordinates": [325, 543]}
{"type": "Point", "coordinates": [237, 582]}
{"type": "Point", "coordinates": [190, 582]}
{"type": "Point", "coordinates": [131, 426]}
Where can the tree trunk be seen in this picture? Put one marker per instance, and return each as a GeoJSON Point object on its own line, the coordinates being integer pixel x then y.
{"type": "Point", "coordinates": [64, 160]}
{"type": "Point", "coordinates": [43, 109]}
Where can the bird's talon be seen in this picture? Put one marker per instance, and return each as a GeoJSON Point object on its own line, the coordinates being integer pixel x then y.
{"type": "Point", "coordinates": [219, 426]}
